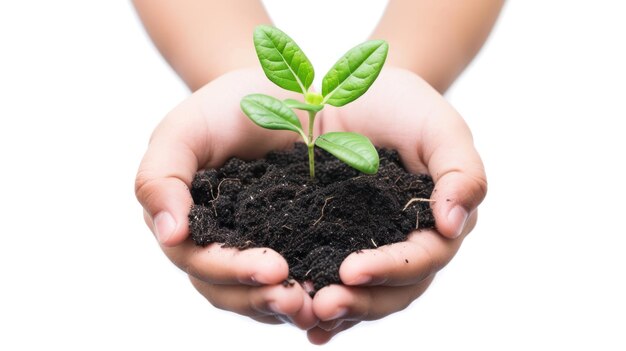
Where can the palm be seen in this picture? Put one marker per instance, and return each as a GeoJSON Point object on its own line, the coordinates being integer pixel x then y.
{"type": "Point", "coordinates": [221, 130]}
{"type": "Point", "coordinates": [396, 113]}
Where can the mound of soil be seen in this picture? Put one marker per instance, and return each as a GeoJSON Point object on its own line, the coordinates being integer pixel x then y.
{"type": "Point", "coordinates": [313, 224]}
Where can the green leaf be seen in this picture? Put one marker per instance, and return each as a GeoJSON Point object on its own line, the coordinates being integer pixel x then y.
{"type": "Point", "coordinates": [354, 149]}
{"type": "Point", "coordinates": [270, 113]}
{"type": "Point", "coordinates": [303, 105]}
{"type": "Point", "coordinates": [282, 60]}
{"type": "Point", "coordinates": [354, 73]}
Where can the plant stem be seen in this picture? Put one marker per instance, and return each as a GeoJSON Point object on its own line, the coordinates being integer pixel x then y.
{"type": "Point", "coordinates": [311, 145]}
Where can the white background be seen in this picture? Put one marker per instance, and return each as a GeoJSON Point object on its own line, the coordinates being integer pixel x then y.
{"type": "Point", "coordinates": [81, 88]}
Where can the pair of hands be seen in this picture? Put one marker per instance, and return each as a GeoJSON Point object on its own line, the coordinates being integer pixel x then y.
{"type": "Point", "coordinates": [400, 111]}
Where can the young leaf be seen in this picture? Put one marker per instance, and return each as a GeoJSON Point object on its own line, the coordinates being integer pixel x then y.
{"type": "Point", "coordinates": [291, 103]}
{"type": "Point", "coordinates": [352, 148]}
{"type": "Point", "coordinates": [282, 60]}
{"type": "Point", "coordinates": [270, 113]}
{"type": "Point", "coordinates": [354, 73]}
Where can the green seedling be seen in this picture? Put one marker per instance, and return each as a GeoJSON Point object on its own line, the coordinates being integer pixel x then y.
{"type": "Point", "coordinates": [285, 64]}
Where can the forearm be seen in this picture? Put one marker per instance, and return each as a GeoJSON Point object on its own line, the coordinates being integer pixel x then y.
{"type": "Point", "coordinates": [203, 39]}
{"type": "Point", "coordinates": [436, 39]}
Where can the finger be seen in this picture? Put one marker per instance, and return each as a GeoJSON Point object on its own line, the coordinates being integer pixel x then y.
{"type": "Point", "coordinates": [260, 302]}
{"type": "Point", "coordinates": [320, 336]}
{"type": "Point", "coordinates": [365, 303]}
{"type": "Point", "coordinates": [305, 319]}
{"type": "Point", "coordinates": [165, 174]}
{"type": "Point", "coordinates": [456, 168]}
{"type": "Point", "coordinates": [251, 301]}
{"type": "Point", "coordinates": [218, 265]}
{"type": "Point", "coordinates": [405, 263]}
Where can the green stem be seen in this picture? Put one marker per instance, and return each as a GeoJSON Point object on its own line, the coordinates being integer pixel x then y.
{"type": "Point", "coordinates": [311, 145]}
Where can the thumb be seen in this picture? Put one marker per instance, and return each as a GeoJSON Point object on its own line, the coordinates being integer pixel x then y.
{"type": "Point", "coordinates": [162, 188]}
{"type": "Point", "coordinates": [460, 180]}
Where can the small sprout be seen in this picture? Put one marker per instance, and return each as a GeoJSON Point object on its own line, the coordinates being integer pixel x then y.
{"type": "Point", "coordinates": [285, 64]}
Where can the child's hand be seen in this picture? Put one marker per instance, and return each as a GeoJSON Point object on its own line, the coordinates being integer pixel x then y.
{"type": "Point", "coordinates": [402, 112]}
{"type": "Point", "coordinates": [204, 131]}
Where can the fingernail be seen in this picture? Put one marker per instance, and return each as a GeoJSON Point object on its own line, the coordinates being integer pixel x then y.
{"type": "Point", "coordinates": [164, 226]}
{"type": "Point", "coordinates": [362, 279]}
{"type": "Point", "coordinates": [339, 314]}
{"type": "Point", "coordinates": [458, 216]}
{"type": "Point", "coordinates": [284, 319]}
{"type": "Point", "coordinates": [273, 306]}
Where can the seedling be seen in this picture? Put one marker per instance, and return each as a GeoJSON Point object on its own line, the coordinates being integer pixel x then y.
{"type": "Point", "coordinates": [285, 64]}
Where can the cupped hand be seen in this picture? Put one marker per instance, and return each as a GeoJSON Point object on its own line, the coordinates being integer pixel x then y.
{"type": "Point", "coordinates": [400, 111]}
{"type": "Point", "coordinates": [203, 132]}
{"type": "Point", "coordinates": [403, 112]}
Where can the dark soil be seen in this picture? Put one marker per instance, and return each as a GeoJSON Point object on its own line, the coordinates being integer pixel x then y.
{"type": "Point", "coordinates": [316, 224]}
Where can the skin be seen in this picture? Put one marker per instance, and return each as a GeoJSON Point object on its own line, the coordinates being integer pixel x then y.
{"type": "Point", "coordinates": [429, 135]}
{"type": "Point", "coordinates": [203, 39]}
{"type": "Point", "coordinates": [436, 39]}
